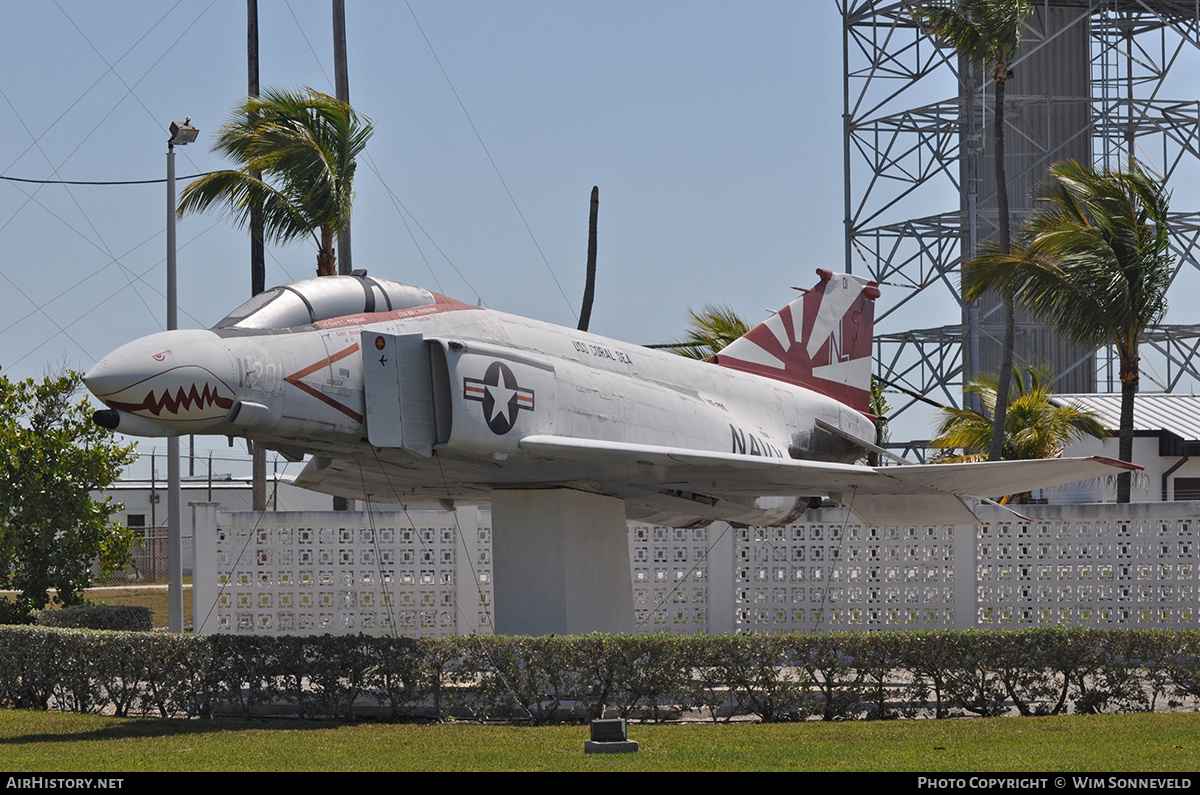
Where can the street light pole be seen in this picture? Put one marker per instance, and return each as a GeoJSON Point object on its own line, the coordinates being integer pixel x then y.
{"type": "Point", "coordinates": [180, 134]}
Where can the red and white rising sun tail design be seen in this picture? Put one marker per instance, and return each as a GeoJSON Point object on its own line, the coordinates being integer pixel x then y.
{"type": "Point", "coordinates": [820, 341]}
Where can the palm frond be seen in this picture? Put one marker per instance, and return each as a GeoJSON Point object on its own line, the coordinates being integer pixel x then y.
{"type": "Point", "coordinates": [710, 330]}
{"type": "Point", "coordinates": [238, 192]}
{"type": "Point", "coordinates": [1034, 427]}
{"type": "Point", "coordinates": [297, 153]}
{"type": "Point", "coordinates": [1094, 259]}
{"type": "Point", "coordinates": [983, 31]}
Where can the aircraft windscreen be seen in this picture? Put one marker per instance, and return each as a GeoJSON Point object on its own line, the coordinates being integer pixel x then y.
{"type": "Point", "coordinates": [311, 300]}
{"type": "Point", "coordinates": [275, 308]}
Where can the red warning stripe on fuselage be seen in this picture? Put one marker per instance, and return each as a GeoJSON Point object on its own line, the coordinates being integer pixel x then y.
{"type": "Point", "coordinates": [294, 380]}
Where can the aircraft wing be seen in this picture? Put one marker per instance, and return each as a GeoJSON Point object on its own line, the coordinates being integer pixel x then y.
{"type": "Point", "coordinates": [917, 494]}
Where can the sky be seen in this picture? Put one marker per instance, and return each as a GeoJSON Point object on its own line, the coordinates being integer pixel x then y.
{"type": "Point", "coordinates": [712, 129]}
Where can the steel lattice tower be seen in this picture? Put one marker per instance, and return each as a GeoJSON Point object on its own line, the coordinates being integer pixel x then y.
{"type": "Point", "coordinates": [1095, 81]}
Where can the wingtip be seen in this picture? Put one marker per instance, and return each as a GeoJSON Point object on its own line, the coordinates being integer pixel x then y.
{"type": "Point", "coordinates": [1116, 463]}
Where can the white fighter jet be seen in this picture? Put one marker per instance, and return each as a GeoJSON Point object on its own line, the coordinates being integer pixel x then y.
{"type": "Point", "coordinates": [403, 395]}
{"type": "Point", "coordinates": [400, 395]}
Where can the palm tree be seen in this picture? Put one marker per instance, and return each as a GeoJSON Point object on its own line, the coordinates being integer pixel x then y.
{"type": "Point", "coordinates": [988, 32]}
{"type": "Point", "coordinates": [1095, 262]}
{"type": "Point", "coordinates": [879, 408]}
{"type": "Point", "coordinates": [304, 145]}
{"type": "Point", "coordinates": [1034, 426]}
{"type": "Point", "coordinates": [709, 330]}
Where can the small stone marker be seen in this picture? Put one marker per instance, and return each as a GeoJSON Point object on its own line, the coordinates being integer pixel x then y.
{"type": "Point", "coordinates": [608, 737]}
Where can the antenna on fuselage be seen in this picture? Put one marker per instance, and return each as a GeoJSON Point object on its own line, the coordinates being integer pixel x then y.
{"type": "Point", "coordinates": [589, 287]}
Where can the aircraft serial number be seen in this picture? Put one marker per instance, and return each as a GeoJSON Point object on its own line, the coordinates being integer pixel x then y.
{"type": "Point", "coordinates": [260, 377]}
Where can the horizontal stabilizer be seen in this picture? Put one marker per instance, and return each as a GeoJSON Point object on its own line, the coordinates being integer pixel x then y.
{"type": "Point", "coordinates": [997, 478]}
{"type": "Point", "coordinates": [910, 495]}
{"type": "Point", "coordinates": [910, 510]}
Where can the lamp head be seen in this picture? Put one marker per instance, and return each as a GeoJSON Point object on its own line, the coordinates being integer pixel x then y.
{"type": "Point", "coordinates": [183, 132]}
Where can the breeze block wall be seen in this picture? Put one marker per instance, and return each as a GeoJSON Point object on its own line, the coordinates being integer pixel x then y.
{"type": "Point", "coordinates": [428, 573]}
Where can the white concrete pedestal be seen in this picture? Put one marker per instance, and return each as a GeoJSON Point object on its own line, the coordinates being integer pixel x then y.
{"type": "Point", "coordinates": [560, 560]}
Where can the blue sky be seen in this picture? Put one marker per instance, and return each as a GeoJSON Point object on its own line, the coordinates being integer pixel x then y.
{"type": "Point", "coordinates": [712, 129]}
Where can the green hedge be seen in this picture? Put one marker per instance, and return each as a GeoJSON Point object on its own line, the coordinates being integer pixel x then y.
{"type": "Point", "coordinates": [557, 678]}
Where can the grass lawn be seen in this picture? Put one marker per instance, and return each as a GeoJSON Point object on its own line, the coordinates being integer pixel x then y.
{"type": "Point", "coordinates": [56, 742]}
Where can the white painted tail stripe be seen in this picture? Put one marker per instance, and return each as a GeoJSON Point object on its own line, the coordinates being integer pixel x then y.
{"type": "Point", "coordinates": [834, 306]}
{"type": "Point", "coordinates": [749, 351]}
{"type": "Point", "coordinates": [775, 324]}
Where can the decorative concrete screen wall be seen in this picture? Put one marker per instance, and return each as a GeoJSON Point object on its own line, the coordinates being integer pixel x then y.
{"type": "Point", "coordinates": [844, 575]}
{"type": "Point", "coordinates": [672, 584]}
{"type": "Point", "coordinates": [418, 573]}
{"type": "Point", "coordinates": [1090, 565]}
{"type": "Point", "coordinates": [429, 572]}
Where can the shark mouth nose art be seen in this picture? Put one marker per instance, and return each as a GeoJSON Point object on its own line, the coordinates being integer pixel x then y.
{"type": "Point", "coordinates": [168, 378]}
{"type": "Point", "coordinates": [186, 392]}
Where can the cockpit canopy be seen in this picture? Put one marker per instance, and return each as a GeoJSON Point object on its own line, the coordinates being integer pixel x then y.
{"type": "Point", "coordinates": [323, 298]}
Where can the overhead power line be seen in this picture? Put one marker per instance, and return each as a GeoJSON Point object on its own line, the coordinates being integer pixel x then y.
{"type": "Point", "coordinates": [110, 182]}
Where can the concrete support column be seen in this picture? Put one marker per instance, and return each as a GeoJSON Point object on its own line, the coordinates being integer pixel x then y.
{"type": "Point", "coordinates": [204, 562]}
{"type": "Point", "coordinates": [965, 604]}
{"type": "Point", "coordinates": [466, 570]}
{"type": "Point", "coordinates": [722, 574]}
{"type": "Point", "coordinates": [561, 563]}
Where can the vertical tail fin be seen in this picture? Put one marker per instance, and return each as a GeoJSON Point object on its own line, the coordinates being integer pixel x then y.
{"type": "Point", "coordinates": [820, 341]}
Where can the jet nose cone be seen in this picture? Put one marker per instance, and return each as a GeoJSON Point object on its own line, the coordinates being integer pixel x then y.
{"type": "Point", "coordinates": [107, 377]}
{"type": "Point", "coordinates": [173, 377]}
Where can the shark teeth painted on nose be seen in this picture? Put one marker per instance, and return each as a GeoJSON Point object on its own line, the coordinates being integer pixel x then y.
{"type": "Point", "coordinates": [180, 393]}
{"type": "Point", "coordinates": [181, 402]}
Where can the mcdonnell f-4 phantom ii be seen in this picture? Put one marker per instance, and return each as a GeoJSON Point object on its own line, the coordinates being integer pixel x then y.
{"type": "Point", "coordinates": [400, 395]}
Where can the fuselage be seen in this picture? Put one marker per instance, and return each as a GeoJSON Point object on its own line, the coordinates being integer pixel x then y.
{"type": "Point", "coordinates": [422, 399]}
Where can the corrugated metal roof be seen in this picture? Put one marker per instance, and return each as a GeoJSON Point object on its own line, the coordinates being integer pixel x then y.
{"type": "Point", "coordinates": [1179, 414]}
